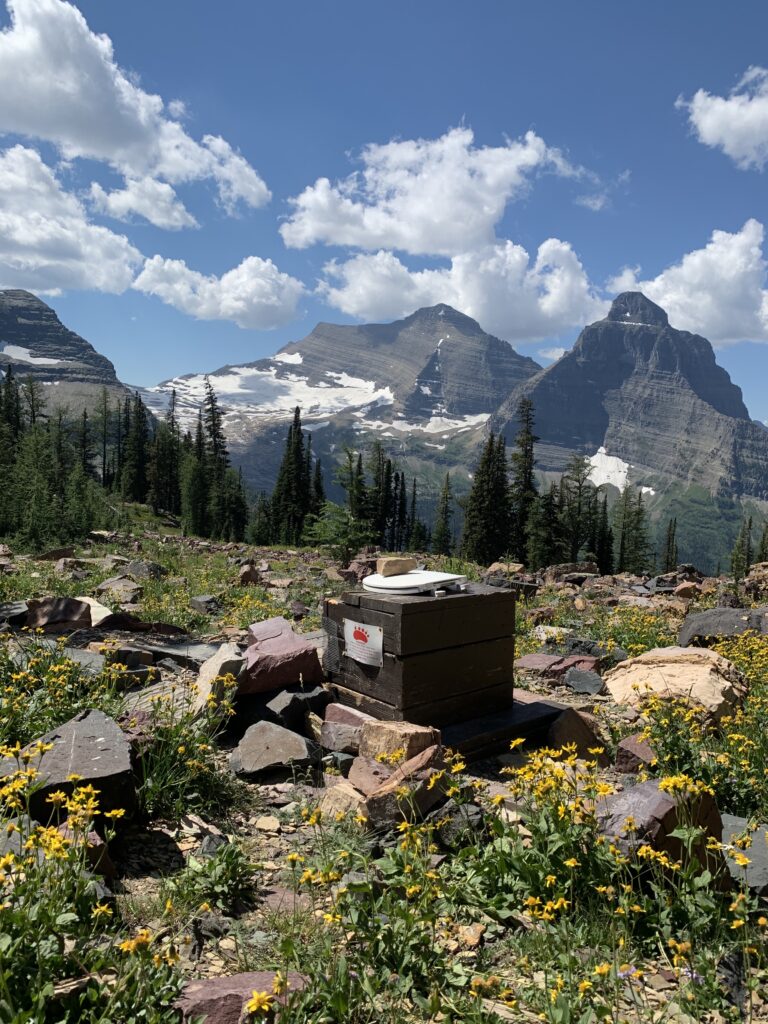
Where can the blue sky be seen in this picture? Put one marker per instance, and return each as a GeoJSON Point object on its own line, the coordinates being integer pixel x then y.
{"type": "Point", "coordinates": [521, 162]}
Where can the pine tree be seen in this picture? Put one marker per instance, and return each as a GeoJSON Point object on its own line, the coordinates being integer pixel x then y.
{"type": "Point", "coordinates": [442, 536]}
{"type": "Point", "coordinates": [741, 556]}
{"type": "Point", "coordinates": [136, 454]}
{"type": "Point", "coordinates": [762, 551]}
{"type": "Point", "coordinates": [194, 485]}
{"type": "Point", "coordinates": [631, 530]}
{"type": "Point", "coordinates": [577, 491]}
{"type": "Point", "coordinates": [522, 487]}
{"type": "Point", "coordinates": [260, 527]}
{"type": "Point", "coordinates": [318, 490]}
{"type": "Point", "coordinates": [546, 539]}
{"type": "Point", "coordinates": [32, 392]}
{"type": "Point", "coordinates": [292, 495]}
{"type": "Point", "coordinates": [604, 544]}
{"type": "Point", "coordinates": [487, 516]}
{"type": "Point", "coordinates": [670, 546]}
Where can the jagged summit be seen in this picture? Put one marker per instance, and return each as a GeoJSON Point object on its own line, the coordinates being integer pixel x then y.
{"type": "Point", "coordinates": [636, 308]}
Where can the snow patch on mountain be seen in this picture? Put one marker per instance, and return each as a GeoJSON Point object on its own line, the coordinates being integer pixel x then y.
{"type": "Point", "coordinates": [22, 355]}
{"type": "Point", "coordinates": [289, 357]}
{"type": "Point", "coordinates": [608, 469]}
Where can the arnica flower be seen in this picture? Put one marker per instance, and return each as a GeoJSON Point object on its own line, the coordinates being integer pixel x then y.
{"type": "Point", "coordinates": [260, 1002]}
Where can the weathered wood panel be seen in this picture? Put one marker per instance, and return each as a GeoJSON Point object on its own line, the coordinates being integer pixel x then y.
{"type": "Point", "coordinates": [414, 625]}
{"type": "Point", "coordinates": [437, 712]}
{"type": "Point", "coordinates": [435, 675]}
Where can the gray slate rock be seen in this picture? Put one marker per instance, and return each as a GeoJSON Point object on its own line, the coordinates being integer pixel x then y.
{"type": "Point", "coordinates": [93, 746]}
{"type": "Point", "coordinates": [206, 604]}
{"type": "Point", "coordinates": [345, 739]}
{"type": "Point", "coordinates": [268, 749]}
{"type": "Point", "coordinates": [291, 705]}
{"type": "Point", "coordinates": [141, 569]}
{"type": "Point", "coordinates": [584, 682]}
{"type": "Point", "coordinates": [756, 872]}
{"type": "Point", "coordinates": [14, 612]}
{"type": "Point", "coordinates": [720, 622]}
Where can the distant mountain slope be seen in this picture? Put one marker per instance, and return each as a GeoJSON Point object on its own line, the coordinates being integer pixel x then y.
{"type": "Point", "coordinates": [417, 383]}
{"type": "Point", "coordinates": [651, 396]}
{"type": "Point", "coordinates": [35, 343]}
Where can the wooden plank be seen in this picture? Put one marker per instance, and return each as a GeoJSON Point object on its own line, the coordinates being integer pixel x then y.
{"type": "Point", "coordinates": [486, 735]}
{"type": "Point", "coordinates": [438, 713]}
{"type": "Point", "coordinates": [436, 675]}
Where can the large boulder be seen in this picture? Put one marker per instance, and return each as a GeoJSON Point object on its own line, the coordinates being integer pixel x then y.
{"type": "Point", "coordinates": [645, 814]}
{"type": "Point", "coordinates": [716, 623]}
{"type": "Point", "coordinates": [222, 1000]}
{"type": "Point", "coordinates": [387, 804]}
{"type": "Point", "coordinates": [277, 657]}
{"type": "Point", "coordinates": [56, 614]}
{"type": "Point", "coordinates": [696, 675]}
{"type": "Point", "coordinates": [91, 746]}
{"type": "Point", "coordinates": [269, 749]}
{"type": "Point", "coordinates": [292, 705]}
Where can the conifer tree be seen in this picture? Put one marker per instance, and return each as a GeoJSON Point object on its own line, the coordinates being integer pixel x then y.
{"type": "Point", "coordinates": [291, 497]}
{"type": "Point", "coordinates": [442, 538]}
{"type": "Point", "coordinates": [670, 546]}
{"type": "Point", "coordinates": [546, 539]}
{"type": "Point", "coordinates": [741, 556]}
{"type": "Point", "coordinates": [522, 486]}
{"type": "Point", "coordinates": [604, 543]}
{"type": "Point", "coordinates": [576, 491]}
{"type": "Point", "coordinates": [762, 551]}
{"type": "Point", "coordinates": [486, 520]}
{"type": "Point", "coordinates": [136, 455]}
{"type": "Point", "coordinates": [631, 530]}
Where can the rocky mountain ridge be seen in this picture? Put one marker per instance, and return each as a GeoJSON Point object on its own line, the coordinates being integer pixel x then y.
{"type": "Point", "coordinates": [35, 343]}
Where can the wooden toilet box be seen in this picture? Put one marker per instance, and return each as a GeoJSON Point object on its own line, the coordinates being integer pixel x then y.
{"type": "Point", "coordinates": [442, 659]}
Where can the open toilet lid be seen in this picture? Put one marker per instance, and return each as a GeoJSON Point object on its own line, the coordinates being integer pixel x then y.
{"type": "Point", "coordinates": [416, 581]}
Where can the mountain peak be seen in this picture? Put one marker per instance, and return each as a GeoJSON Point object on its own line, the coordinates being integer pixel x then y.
{"type": "Point", "coordinates": [443, 313]}
{"type": "Point", "coordinates": [635, 308]}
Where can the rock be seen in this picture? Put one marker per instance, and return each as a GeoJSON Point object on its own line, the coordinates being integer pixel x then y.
{"type": "Point", "coordinates": [756, 583]}
{"type": "Point", "coordinates": [120, 589]}
{"type": "Point", "coordinates": [368, 775]}
{"type": "Point", "coordinates": [99, 612]}
{"type": "Point", "coordinates": [693, 674]}
{"type": "Point", "coordinates": [143, 570]}
{"type": "Point", "coordinates": [96, 850]}
{"type": "Point", "coordinates": [267, 823]}
{"type": "Point", "coordinates": [573, 727]}
{"type": "Point", "coordinates": [58, 614]}
{"type": "Point", "coordinates": [340, 737]}
{"type": "Point", "coordinates": [210, 689]}
{"type": "Point", "coordinates": [249, 576]}
{"type": "Point", "coordinates": [346, 715]}
{"type": "Point", "coordinates": [656, 815]}
{"type": "Point", "coordinates": [55, 554]}
{"type": "Point", "coordinates": [278, 657]}
{"type": "Point", "coordinates": [5, 551]}
{"type": "Point", "coordinates": [583, 682]}
{"type": "Point", "coordinates": [507, 568]}
{"type": "Point", "coordinates": [92, 746]}
{"type": "Point", "coordinates": [756, 872]}
{"type": "Point", "coordinates": [574, 570]}
{"type": "Point", "coordinates": [550, 634]}
{"type": "Point", "coordinates": [378, 738]}
{"type": "Point", "coordinates": [279, 582]}
{"type": "Point", "coordinates": [299, 610]}
{"type": "Point", "coordinates": [717, 623]}
{"type": "Point", "coordinates": [267, 748]}
{"type": "Point", "coordinates": [456, 825]}
{"type": "Point", "coordinates": [538, 615]}
{"type": "Point", "coordinates": [634, 753]}
{"type": "Point", "coordinates": [291, 706]}
{"type": "Point", "coordinates": [579, 645]}
{"type": "Point", "coordinates": [471, 935]}
{"type": "Point", "coordinates": [343, 799]}
{"type": "Point", "coordinates": [358, 569]}
{"type": "Point", "coordinates": [14, 612]}
{"type": "Point", "coordinates": [554, 666]}
{"type": "Point", "coordinates": [386, 805]}
{"type": "Point", "coordinates": [205, 604]}
{"type": "Point", "coordinates": [222, 1000]}
{"type": "Point", "coordinates": [393, 566]}
{"type": "Point", "coordinates": [687, 590]}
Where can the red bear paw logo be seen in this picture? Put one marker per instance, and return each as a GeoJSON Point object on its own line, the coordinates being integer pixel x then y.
{"type": "Point", "coordinates": [360, 634]}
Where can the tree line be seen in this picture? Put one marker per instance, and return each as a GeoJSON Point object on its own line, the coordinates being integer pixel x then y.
{"type": "Point", "coordinates": [63, 476]}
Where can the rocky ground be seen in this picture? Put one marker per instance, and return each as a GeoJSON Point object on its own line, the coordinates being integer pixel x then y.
{"type": "Point", "coordinates": [262, 828]}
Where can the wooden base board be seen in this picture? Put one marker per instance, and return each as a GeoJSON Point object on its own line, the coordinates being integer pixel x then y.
{"type": "Point", "coordinates": [490, 700]}
{"type": "Point", "coordinates": [491, 734]}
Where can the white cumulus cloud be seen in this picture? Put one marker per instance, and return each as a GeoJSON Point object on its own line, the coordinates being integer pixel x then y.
{"type": "Point", "coordinates": [255, 294]}
{"type": "Point", "coordinates": [60, 82]}
{"type": "Point", "coordinates": [737, 123]}
{"type": "Point", "coordinates": [46, 240]}
{"type": "Point", "coordinates": [553, 353]}
{"type": "Point", "coordinates": [422, 196]}
{"type": "Point", "coordinates": [717, 291]}
{"type": "Point", "coordinates": [154, 200]}
{"type": "Point", "coordinates": [500, 285]}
